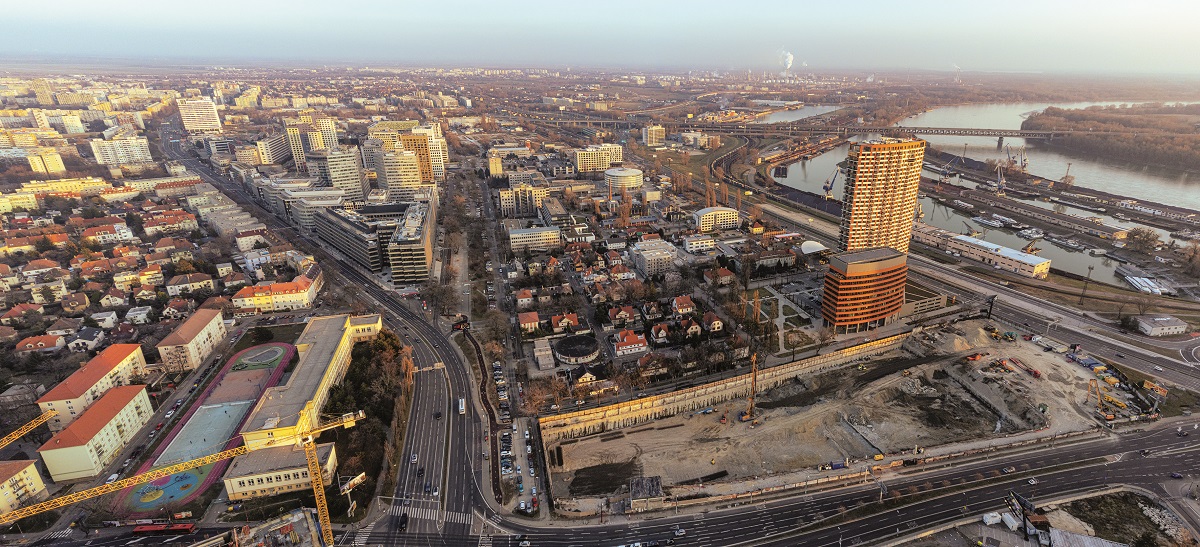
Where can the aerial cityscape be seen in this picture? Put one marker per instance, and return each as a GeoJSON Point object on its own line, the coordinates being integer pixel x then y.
{"type": "Point", "coordinates": [513, 279]}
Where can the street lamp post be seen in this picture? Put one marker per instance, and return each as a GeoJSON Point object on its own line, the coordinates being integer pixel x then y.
{"type": "Point", "coordinates": [1085, 284]}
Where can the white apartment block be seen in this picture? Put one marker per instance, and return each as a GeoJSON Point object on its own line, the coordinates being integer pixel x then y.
{"type": "Point", "coordinates": [598, 157]}
{"type": "Point", "coordinates": [199, 114]}
{"type": "Point", "coordinates": [716, 218]}
{"type": "Point", "coordinates": [122, 149]}
{"type": "Point", "coordinates": [274, 149]}
{"type": "Point", "coordinates": [112, 367]}
{"type": "Point", "coordinates": [89, 444]}
{"type": "Point", "coordinates": [654, 135]}
{"type": "Point", "coordinates": [192, 341]}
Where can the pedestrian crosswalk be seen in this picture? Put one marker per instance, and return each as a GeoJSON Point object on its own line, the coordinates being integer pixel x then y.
{"type": "Point", "coordinates": [363, 533]}
{"type": "Point", "coordinates": [485, 541]}
{"type": "Point", "coordinates": [58, 534]}
{"type": "Point", "coordinates": [430, 513]}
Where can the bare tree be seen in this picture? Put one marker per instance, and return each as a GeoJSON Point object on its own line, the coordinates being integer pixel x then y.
{"type": "Point", "coordinates": [825, 336]}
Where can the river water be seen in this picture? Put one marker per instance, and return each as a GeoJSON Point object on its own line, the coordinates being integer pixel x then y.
{"type": "Point", "coordinates": [1137, 182]}
{"type": "Point", "coordinates": [806, 111]}
{"type": "Point", "coordinates": [1162, 185]}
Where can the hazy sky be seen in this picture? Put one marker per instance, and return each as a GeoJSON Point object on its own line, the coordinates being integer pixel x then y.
{"type": "Point", "coordinates": [1009, 35]}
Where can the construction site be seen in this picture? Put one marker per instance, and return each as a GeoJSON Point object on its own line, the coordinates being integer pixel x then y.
{"type": "Point", "coordinates": [945, 386]}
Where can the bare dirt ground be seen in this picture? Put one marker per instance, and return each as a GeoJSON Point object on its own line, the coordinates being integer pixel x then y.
{"type": "Point", "coordinates": [925, 395]}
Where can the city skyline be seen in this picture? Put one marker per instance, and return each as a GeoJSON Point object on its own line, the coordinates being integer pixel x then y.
{"type": "Point", "coordinates": [1023, 37]}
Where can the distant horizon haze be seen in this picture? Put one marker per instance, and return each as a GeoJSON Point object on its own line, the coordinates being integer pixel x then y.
{"type": "Point", "coordinates": [1020, 36]}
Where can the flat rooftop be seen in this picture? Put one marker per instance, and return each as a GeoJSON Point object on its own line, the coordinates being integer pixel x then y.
{"type": "Point", "coordinates": [280, 406]}
{"type": "Point", "coordinates": [265, 460]}
{"type": "Point", "coordinates": [1000, 250]}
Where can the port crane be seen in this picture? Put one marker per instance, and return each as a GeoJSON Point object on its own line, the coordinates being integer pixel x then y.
{"type": "Point", "coordinates": [306, 440]}
{"type": "Point", "coordinates": [828, 187]}
{"type": "Point", "coordinates": [29, 426]}
{"type": "Point", "coordinates": [971, 231]}
{"type": "Point", "coordinates": [1000, 182]}
{"type": "Point", "coordinates": [1030, 249]}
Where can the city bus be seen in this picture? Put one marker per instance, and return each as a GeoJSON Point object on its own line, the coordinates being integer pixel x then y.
{"type": "Point", "coordinates": [462, 405]}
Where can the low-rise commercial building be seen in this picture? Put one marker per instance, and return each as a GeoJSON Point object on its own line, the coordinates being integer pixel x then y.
{"type": "Point", "coordinates": [1161, 325]}
{"type": "Point", "coordinates": [699, 243]}
{"type": "Point", "coordinates": [192, 341]}
{"type": "Point", "coordinates": [96, 438]}
{"type": "Point", "coordinates": [271, 471]}
{"type": "Point", "coordinates": [1000, 257]}
{"type": "Point", "coordinates": [534, 239]}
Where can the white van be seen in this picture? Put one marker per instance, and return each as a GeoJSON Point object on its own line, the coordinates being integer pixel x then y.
{"type": "Point", "coordinates": [112, 478]}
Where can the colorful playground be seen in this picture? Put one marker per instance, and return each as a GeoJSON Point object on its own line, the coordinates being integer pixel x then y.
{"type": "Point", "coordinates": [210, 425]}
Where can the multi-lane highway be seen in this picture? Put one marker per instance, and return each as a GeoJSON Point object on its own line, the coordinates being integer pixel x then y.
{"type": "Point", "coordinates": [446, 448]}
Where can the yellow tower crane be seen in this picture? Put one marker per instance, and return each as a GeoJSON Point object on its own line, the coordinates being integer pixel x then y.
{"type": "Point", "coordinates": [305, 440]}
{"type": "Point", "coordinates": [23, 430]}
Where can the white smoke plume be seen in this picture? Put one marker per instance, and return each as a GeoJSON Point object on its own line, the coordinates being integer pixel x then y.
{"type": "Point", "coordinates": [786, 58]}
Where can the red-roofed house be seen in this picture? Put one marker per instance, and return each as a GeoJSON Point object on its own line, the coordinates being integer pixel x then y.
{"type": "Point", "coordinates": [528, 321]}
{"type": "Point", "coordinates": [46, 343]}
{"type": "Point", "coordinates": [712, 323]}
{"type": "Point", "coordinates": [627, 342]}
{"type": "Point", "coordinates": [111, 367]}
{"type": "Point", "coordinates": [113, 298]}
{"type": "Point", "coordinates": [719, 276]}
{"type": "Point", "coordinates": [622, 315]}
{"type": "Point", "coordinates": [660, 333]}
{"type": "Point", "coordinates": [17, 312]}
{"type": "Point", "coordinates": [96, 438]}
{"type": "Point", "coordinates": [682, 305]}
{"type": "Point", "coordinates": [524, 298]}
{"type": "Point", "coordinates": [565, 322]}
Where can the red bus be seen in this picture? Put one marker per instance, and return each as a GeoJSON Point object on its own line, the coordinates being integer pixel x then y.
{"type": "Point", "coordinates": [164, 529]}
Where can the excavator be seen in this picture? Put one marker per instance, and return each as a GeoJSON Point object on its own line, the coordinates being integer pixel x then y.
{"type": "Point", "coordinates": [306, 439]}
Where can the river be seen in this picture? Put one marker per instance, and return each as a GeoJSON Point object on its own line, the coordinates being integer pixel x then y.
{"type": "Point", "coordinates": [1162, 185]}
{"type": "Point", "coordinates": [806, 111]}
{"type": "Point", "coordinates": [1137, 182]}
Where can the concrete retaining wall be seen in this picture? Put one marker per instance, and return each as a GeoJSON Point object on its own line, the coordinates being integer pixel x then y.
{"type": "Point", "coordinates": [638, 411]}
